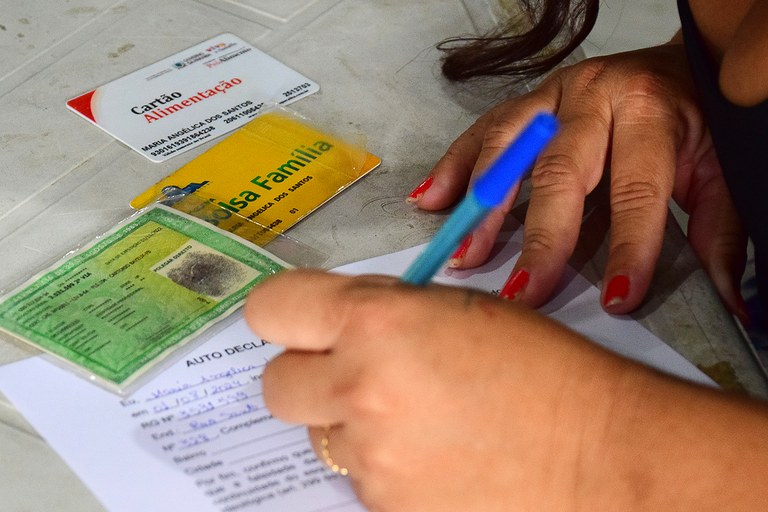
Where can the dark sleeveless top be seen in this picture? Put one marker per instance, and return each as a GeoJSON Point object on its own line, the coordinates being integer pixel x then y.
{"type": "Point", "coordinates": [740, 137]}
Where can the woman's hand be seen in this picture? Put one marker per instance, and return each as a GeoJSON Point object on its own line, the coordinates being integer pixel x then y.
{"type": "Point", "coordinates": [634, 113]}
{"type": "Point", "coordinates": [477, 408]}
{"type": "Point", "coordinates": [444, 399]}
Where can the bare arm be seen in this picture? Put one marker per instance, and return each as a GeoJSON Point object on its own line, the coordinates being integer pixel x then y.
{"type": "Point", "coordinates": [489, 406]}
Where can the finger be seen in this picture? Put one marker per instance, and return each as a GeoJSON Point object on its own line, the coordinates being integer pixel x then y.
{"type": "Point", "coordinates": [644, 154]}
{"type": "Point", "coordinates": [720, 243]}
{"type": "Point", "coordinates": [476, 149]}
{"type": "Point", "coordinates": [315, 434]}
{"type": "Point", "coordinates": [332, 448]}
{"type": "Point", "coordinates": [716, 234]}
{"type": "Point", "coordinates": [449, 178]}
{"type": "Point", "coordinates": [298, 387]}
{"type": "Point", "coordinates": [475, 250]}
{"type": "Point", "coordinates": [500, 131]}
{"type": "Point", "coordinates": [567, 170]}
{"type": "Point", "coordinates": [281, 311]}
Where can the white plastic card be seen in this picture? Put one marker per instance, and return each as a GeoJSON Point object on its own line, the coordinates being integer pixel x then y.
{"type": "Point", "coordinates": [191, 97]}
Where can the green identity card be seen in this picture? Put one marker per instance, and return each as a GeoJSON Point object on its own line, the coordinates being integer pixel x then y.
{"type": "Point", "coordinates": [123, 303]}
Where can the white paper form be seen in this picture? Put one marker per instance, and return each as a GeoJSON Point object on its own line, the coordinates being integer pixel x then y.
{"type": "Point", "coordinates": [199, 438]}
{"type": "Point", "coordinates": [576, 304]}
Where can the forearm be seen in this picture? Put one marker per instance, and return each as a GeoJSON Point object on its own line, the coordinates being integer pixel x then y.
{"type": "Point", "coordinates": [673, 446]}
{"type": "Point", "coordinates": [735, 33]}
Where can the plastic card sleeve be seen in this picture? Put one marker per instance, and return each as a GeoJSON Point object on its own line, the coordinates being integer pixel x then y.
{"type": "Point", "coordinates": [115, 310]}
{"type": "Point", "coordinates": [274, 172]}
{"type": "Point", "coordinates": [297, 253]}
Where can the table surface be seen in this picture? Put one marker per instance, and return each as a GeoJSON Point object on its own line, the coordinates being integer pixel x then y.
{"type": "Point", "coordinates": [64, 180]}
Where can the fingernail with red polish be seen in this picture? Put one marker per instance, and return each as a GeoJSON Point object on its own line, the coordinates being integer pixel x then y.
{"type": "Point", "coordinates": [616, 291]}
{"type": "Point", "coordinates": [514, 285]}
{"type": "Point", "coordinates": [742, 312]}
{"type": "Point", "coordinates": [419, 191]}
{"type": "Point", "coordinates": [458, 256]}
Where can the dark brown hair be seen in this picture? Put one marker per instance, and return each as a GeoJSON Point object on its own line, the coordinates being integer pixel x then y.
{"type": "Point", "coordinates": [524, 47]}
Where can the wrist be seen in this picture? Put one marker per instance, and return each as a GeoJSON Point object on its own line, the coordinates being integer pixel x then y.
{"type": "Point", "coordinates": [594, 418]}
{"type": "Point", "coordinates": [665, 444]}
{"type": "Point", "coordinates": [618, 469]}
{"type": "Point", "coordinates": [611, 472]}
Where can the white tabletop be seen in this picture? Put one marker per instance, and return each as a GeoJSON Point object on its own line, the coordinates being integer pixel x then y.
{"type": "Point", "coordinates": [64, 180]}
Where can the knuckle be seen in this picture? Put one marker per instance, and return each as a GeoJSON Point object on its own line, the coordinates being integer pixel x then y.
{"type": "Point", "coordinates": [729, 244]}
{"type": "Point", "coordinates": [554, 173]}
{"type": "Point", "coordinates": [588, 72]}
{"type": "Point", "coordinates": [725, 250]}
{"type": "Point", "coordinates": [361, 298]}
{"type": "Point", "coordinates": [644, 84]}
{"type": "Point", "coordinates": [501, 125]}
{"type": "Point", "coordinates": [364, 303]}
{"type": "Point", "coordinates": [499, 134]}
{"type": "Point", "coordinates": [366, 393]}
{"type": "Point", "coordinates": [539, 240]}
{"type": "Point", "coordinates": [711, 185]}
{"type": "Point", "coordinates": [644, 97]}
{"type": "Point", "coordinates": [453, 153]}
{"type": "Point", "coordinates": [590, 77]}
{"type": "Point", "coordinates": [628, 251]}
{"type": "Point", "coordinates": [369, 387]}
{"type": "Point", "coordinates": [634, 196]}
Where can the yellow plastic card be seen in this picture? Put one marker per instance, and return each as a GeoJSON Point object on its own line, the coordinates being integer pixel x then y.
{"type": "Point", "coordinates": [273, 172]}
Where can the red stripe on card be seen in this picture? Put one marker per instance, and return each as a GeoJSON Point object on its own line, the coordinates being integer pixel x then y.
{"type": "Point", "coordinates": [82, 104]}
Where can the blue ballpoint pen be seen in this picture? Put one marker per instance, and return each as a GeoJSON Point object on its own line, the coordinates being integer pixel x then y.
{"type": "Point", "coordinates": [488, 191]}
